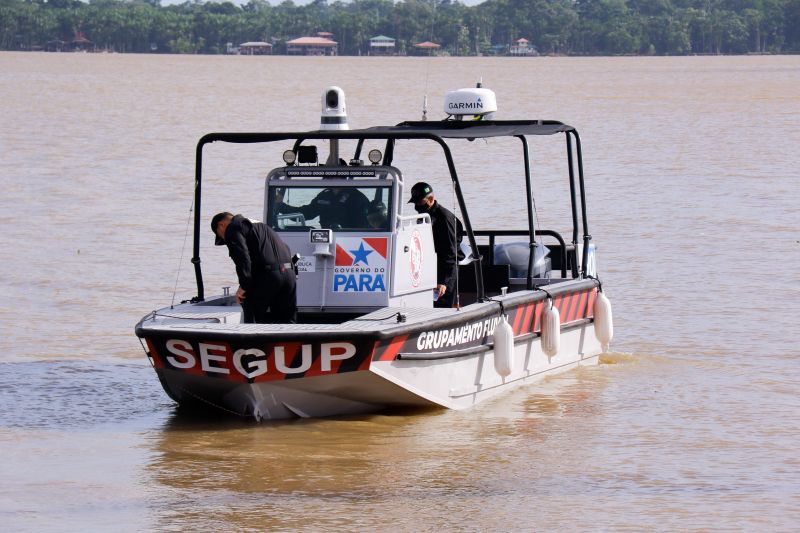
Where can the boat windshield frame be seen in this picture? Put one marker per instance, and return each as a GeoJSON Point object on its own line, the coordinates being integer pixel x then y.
{"type": "Point", "coordinates": [437, 132]}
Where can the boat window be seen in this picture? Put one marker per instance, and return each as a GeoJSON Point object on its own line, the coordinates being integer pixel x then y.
{"type": "Point", "coordinates": [300, 208]}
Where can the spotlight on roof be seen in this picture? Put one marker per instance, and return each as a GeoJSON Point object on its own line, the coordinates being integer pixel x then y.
{"type": "Point", "coordinates": [375, 156]}
{"type": "Point", "coordinates": [334, 111]}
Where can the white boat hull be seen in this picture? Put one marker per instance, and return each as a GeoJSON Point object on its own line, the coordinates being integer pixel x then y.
{"type": "Point", "coordinates": [464, 382]}
{"type": "Point", "coordinates": [443, 366]}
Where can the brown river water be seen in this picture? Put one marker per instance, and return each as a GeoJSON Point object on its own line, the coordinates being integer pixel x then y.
{"type": "Point", "coordinates": [691, 424]}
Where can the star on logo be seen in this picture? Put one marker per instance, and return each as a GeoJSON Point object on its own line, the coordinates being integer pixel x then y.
{"type": "Point", "coordinates": [360, 255]}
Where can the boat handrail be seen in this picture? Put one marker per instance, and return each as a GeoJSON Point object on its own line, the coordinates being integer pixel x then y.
{"type": "Point", "coordinates": [405, 220]}
{"type": "Point", "coordinates": [539, 232]}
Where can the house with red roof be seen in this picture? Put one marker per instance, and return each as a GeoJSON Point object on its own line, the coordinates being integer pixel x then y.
{"type": "Point", "coordinates": [313, 46]}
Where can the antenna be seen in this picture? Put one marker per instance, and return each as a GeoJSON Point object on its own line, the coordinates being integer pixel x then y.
{"type": "Point", "coordinates": [478, 102]}
{"type": "Point", "coordinates": [425, 108]}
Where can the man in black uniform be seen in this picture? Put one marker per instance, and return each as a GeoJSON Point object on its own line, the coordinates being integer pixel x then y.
{"type": "Point", "coordinates": [447, 233]}
{"type": "Point", "coordinates": [336, 207]}
{"type": "Point", "coordinates": [264, 267]}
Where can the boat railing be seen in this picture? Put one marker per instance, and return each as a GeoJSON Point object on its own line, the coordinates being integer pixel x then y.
{"type": "Point", "coordinates": [563, 257]}
{"type": "Point", "coordinates": [404, 221]}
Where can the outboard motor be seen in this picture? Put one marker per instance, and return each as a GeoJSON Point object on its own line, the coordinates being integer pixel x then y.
{"type": "Point", "coordinates": [515, 254]}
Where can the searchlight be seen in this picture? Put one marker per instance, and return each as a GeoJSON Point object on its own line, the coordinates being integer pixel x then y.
{"type": "Point", "coordinates": [334, 111]}
{"type": "Point", "coordinates": [333, 118]}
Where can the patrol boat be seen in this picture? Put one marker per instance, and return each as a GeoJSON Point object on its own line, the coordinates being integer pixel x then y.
{"type": "Point", "coordinates": [528, 301]}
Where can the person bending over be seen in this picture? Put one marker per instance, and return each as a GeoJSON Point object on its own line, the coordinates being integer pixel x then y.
{"type": "Point", "coordinates": [267, 286]}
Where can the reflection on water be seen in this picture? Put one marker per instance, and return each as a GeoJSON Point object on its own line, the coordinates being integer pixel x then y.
{"type": "Point", "coordinates": [690, 425]}
{"type": "Point", "coordinates": [419, 471]}
{"type": "Point", "coordinates": [577, 451]}
{"type": "Point", "coordinates": [521, 461]}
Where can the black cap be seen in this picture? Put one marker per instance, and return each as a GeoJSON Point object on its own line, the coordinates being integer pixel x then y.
{"type": "Point", "coordinates": [419, 191]}
{"type": "Point", "coordinates": [215, 222]}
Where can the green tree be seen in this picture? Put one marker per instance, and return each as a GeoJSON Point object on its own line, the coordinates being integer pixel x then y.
{"type": "Point", "coordinates": [553, 26]}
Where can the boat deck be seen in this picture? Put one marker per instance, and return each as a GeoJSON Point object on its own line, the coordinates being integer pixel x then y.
{"type": "Point", "coordinates": [221, 315]}
{"type": "Point", "coordinates": [227, 318]}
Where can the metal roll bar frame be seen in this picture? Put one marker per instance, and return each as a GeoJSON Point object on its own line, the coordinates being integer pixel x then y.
{"type": "Point", "coordinates": [436, 132]}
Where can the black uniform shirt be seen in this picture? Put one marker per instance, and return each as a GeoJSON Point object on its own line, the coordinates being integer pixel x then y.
{"type": "Point", "coordinates": [255, 249]}
{"type": "Point", "coordinates": [346, 207]}
{"type": "Point", "coordinates": [447, 233]}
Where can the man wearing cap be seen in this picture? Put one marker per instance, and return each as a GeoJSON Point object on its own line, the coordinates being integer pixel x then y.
{"type": "Point", "coordinates": [447, 232]}
{"type": "Point", "coordinates": [337, 208]}
{"type": "Point", "coordinates": [267, 285]}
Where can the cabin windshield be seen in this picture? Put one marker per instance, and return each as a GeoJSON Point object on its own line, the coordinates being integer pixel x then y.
{"type": "Point", "coordinates": [340, 208]}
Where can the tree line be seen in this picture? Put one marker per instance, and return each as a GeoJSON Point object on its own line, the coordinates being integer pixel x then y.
{"type": "Point", "coordinates": [568, 27]}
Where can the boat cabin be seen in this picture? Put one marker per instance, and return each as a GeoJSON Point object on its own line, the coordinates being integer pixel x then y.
{"type": "Point", "coordinates": [358, 252]}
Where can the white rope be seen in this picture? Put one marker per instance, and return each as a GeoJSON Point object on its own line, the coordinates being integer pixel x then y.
{"type": "Point", "coordinates": [183, 249]}
{"type": "Point", "coordinates": [212, 404]}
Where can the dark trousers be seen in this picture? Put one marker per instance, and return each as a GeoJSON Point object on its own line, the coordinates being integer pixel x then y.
{"type": "Point", "coordinates": [446, 300]}
{"type": "Point", "coordinates": [273, 301]}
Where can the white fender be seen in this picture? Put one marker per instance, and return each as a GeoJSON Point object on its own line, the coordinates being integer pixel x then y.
{"type": "Point", "coordinates": [603, 321]}
{"type": "Point", "coordinates": [551, 328]}
{"type": "Point", "coordinates": [503, 348]}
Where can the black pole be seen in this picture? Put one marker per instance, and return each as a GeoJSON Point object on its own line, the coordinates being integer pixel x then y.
{"type": "Point", "coordinates": [467, 224]}
{"type": "Point", "coordinates": [573, 201]}
{"type": "Point", "coordinates": [529, 198]}
{"type": "Point", "coordinates": [198, 172]}
{"type": "Point", "coordinates": [359, 146]}
{"type": "Point", "coordinates": [586, 236]}
{"type": "Point", "coordinates": [388, 153]}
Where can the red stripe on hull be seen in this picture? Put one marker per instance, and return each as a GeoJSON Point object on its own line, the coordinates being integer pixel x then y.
{"type": "Point", "coordinates": [316, 366]}
{"type": "Point", "coordinates": [590, 304]}
{"type": "Point", "coordinates": [157, 362]}
{"type": "Point", "coordinates": [580, 312]}
{"type": "Point", "coordinates": [537, 316]}
{"type": "Point", "coordinates": [391, 351]}
{"type": "Point", "coordinates": [367, 360]}
{"type": "Point", "coordinates": [517, 319]}
{"type": "Point", "coordinates": [227, 363]}
{"type": "Point", "coordinates": [558, 305]}
{"type": "Point", "coordinates": [563, 307]}
{"type": "Point", "coordinates": [291, 350]}
{"type": "Point", "coordinates": [526, 321]}
{"type": "Point", "coordinates": [574, 298]}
